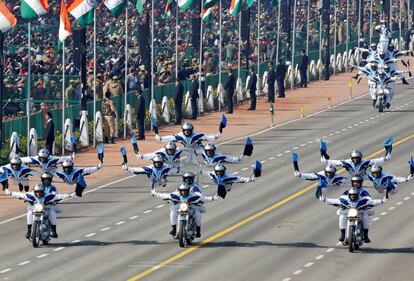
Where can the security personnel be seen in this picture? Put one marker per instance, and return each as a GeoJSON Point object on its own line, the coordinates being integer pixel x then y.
{"type": "Point", "coordinates": [108, 109]}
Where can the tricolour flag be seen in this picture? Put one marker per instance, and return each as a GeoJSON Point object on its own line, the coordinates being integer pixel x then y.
{"type": "Point", "coordinates": [115, 6]}
{"type": "Point", "coordinates": [249, 3]}
{"type": "Point", "coordinates": [31, 9]}
{"type": "Point", "coordinates": [65, 29]}
{"type": "Point", "coordinates": [206, 13]}
{"type": "Point", "coordinates": [319, 4]}
{"type": "Point", "coordinates": [7, 19]}
{"type": "Point", "coordinates": [235, 7]}
{"type": "Point", "coordinates": [82, 11]}
{"type": "Point", "coordinates": [167, 9]}
{"type": "Point", "coordinates": [209, 3]}
{"type": "Point", "coordinates": [140, 6]}
{"type": "Point", "coordinates": [185, 4]}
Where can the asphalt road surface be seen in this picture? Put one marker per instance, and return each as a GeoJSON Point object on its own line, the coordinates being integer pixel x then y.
{"type": "Point", "coordinates": [273, 229]}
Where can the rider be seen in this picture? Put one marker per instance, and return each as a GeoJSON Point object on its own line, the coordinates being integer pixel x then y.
{"type": "Point", "coordinates": [353, 199]}
{"type": "Point", "coordinates": [170, 153]}
{"type": "Point", "coordinates": [189, 178]}
{"type": "Point", "coordinates": [38, 195]}
{"type": "Point", "coordinates": [385, 35]}
{"type": "Point", "coordinates": [191, 140]}
{"type": "Point", "coordinates": [211, 156]}
{"type": "Point", "coordinates": [356, 165]}
{"type": "Point", "coordinates": [157, 172]}
{"type": "Point", "coordinates": [17, 172]}
{"type": "Point", "coordinates": [45, 161]}
{"type": "Point", "coordinates": [71, 175]}
{"type": "Point", "coordinates": [219, 176]}
{"type": "Point", "coordinates": [384, 182]}
{"type": "Point", "coordinates": [183, 194]}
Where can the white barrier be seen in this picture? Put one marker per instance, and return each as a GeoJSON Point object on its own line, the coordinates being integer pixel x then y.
{"type": "Point", "coordinates": [265, 90]}
{"type": "Point", "coordinates": [128, 119]}
{"type": "Point", "coordinates": [153, 109]}
{"type": "Point", "coordinates": [68, 134]}
{"type": "Point", "coordinates": [339, 62]}
{"type": "Point", "coordinates": [187, 102]}
{"type": "Point", "coordinates": [165, 109]}
{"type": "Point", "coordinates": [33, 142]}
{"type": "Point", "coordinates": [239, 90]}
{"type": "Point", "coordinates": [297, 75]}
{"type": "Point", "coordinates": [84, 134]}
{"type": "Point", "coordinates": [312, 70]}
{"type": "Point", "coordinates": [99, 127]}
{"type": "Point", "coordinates": [200, 101]}
{"type": "Point", "coordinates": [210, 97]}
{"type": "Point", "coordinates": [220, 95]}
{"type": "Point", "coordinates": [345, 60]}
{"type": "Point", "coordinates": [247, 90]}
{"type": "Point", "coordinates": [319, 67]}
{"type": "Point", "coordinates": [14, 145]}
{"type": "Point", "coordinates": [116, 124]}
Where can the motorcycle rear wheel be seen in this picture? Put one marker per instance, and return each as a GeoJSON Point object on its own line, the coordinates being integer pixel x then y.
{"type": "Point", "coordinates": [36, 234]}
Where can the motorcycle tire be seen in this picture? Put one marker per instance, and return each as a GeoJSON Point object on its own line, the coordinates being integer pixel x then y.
{"type": "Point", "coordinates": [351, 232]}
{"type": "Point", "coordinates": [36, 234]}
{"type": "Point", "coordinates": [188, 241]}
{"type": "Point", "coordinates": [380, 105]}
{"type": "Point", "coordinates": [181, 238]}
{"type": "Point", "coordinates": [45, 242]}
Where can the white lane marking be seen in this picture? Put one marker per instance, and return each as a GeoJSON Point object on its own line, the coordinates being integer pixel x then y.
{"type": "Point", "coordinates": [207, 185]}
{"type": "Point", "coordinates": [147, 211]}
{"type": "Point", "coordinates": [270, 158]}
{"type": "Point", "coordinates": [324, 137]}
{"type": "Point", "coordinates": [331, 134]}
{"type": "Point", "coordinates": [349, 127]}
{"type": "Point", "coordinates": [406, 198]}
{"type": "Point", "coordinates": [159, 206]}
{"type": "Point", "coordinates": [375, 219]}
{"type": "Point", "coordinates": [303, 144]}
{"type": "Point", "coordinates": [295, 148]}
{"type": "Point", "coordinates": [133, 217]}
{"type": "Point", "coordinates": [366, 120]}
{"type": "Point", "coordinates": [75, 241]}
{"type": "Point", "coordinates": [287, 279]}
{"type": "Point", "coordinates": [361, 122]}
{"type": "Point", "coordinates": [297, 272]}
{"type": "Point", "coordinates": [24, 262]}
{"type": "Point", "coordinates": [244, 169]}
{"type": "Point", "coordinates": [287, 151]}
{"type": "Point", "coordinates": [337, 132]}
{"type": "Point", "coordinates": [356, 124]}
{"type": "Point", "coordinates": [330, 250]}
{"type": "Point", "coordinates": [59, 249]}
{"type": "Point", "coordinates": [90, 234]}
{"type": "Point", "coordinates": [120, 222]}
{"type": "Point", "coordinates": [378, 116]}
{"type": "Point", "coordinates": [264, 161]}
{"type": "Point", "coordinates": [391, 208]}
{"type": "Point", "coordinates": [311, 141]}
{"type": "Point", "coordinates": [5, 270]}
{"type": "Point", "coordinates": [372, 118]}
{"type": "Point", "coordinates": [344, 129]}
{"type": "Point", "coordinates": [383, 213]}
{"type": "Point", "coordinates": [319, 257]}
{"type": "Point", "coordinates": [105, 228]}
{"type": "Point", "coordinates": [42, 256]}
{"type": "Point", "coordinates": [280, 154]}
{"type": "Point", "coordinates": [309, 264]}
{"type": "Point", "coordinates": [412, 193]}
{"type": "Point", "coordinates": [399, 203]}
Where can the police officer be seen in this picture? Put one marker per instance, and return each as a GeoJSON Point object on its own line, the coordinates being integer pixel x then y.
{"type": "Point", "coordinates": [108, 109]}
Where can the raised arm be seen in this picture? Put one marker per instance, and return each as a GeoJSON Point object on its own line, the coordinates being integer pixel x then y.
{"type": "Point", "coordinates": [306, 176]}
{"type": "Point", "coordinates": [91, 170]}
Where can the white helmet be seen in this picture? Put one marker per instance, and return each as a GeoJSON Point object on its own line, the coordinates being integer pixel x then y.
{"type": "Point", "coordinates": [170, 146]}
{"type": "Point", "coordinates": [67, 166]}
{"type": "Point", "coordinates": [219, 168]}
{"type": "Point", "coordinates": [38, 187]}
{"type": "Point", "coordinates": [157, 161]}
{"type": "Point", "coordinates": [376, 168]}
{"type": "Point", "coordinates": [43, 154]}
{"type": "Point", "coordinates": [16, 160]}
{"type": "Point", "coordinates": [187, 126]}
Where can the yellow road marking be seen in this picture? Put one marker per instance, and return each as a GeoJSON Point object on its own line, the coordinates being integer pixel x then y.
{"type": "Point", "coordinates": [246, 220]}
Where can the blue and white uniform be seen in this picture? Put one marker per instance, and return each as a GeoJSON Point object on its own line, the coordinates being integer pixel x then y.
{"type": "Point", "coordinates": [157, 176]}
{"type": "Point", "coordinates": [226, 180]}
{"type": "Point", "coordinates": [77, 176]}
{"type": "Point", "coordinates": [219, 158]}
{"type": "Point", "coordinates": [324, 181]}
{"type": "Point", "coordinates": [50, 165]}
{"type": "Point", "coordinates": [385, 36]}
{"type": "Point", "coordinates": [20, 177]}
{"type": "Point", "coordinates": [387, 182]}
{"type": "Point", "coordinates": [171, 161]}
{"type": "Point", "coordinates": [355, 170]}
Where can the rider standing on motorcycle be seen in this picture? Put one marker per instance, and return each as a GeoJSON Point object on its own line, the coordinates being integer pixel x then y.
{"type": "Point", "coordinates": [385, 35]}
{"type": "Point", "coordinates": [353, 199]}
{"type": "Point", "coordinates": [18, 173]}
{"type": "Point", "coordinates": [157, 172]}
{"type": "Point", "coordinates": [356, 165]}
{"type": "Point", "coordinates": [170, 153]}
{"type": "Point", "coordinates": [189, 178]}
{"type": "Point", "coordinates": [71, 175]}
{"type": "Point", "coordinates": [183, 194]}
{"type": "Point", "coordinates": [384, 182]}
{"type": "Point", "coordinates": [38, 195]}
{"type": "Point", "coordinates": [45, 161]}
{"type": "Point", "coordinates": [191, 140]}
{"type": "Point", "coordinates": [212, 157]}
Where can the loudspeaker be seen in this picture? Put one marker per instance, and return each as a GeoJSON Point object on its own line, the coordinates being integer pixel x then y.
{"type": "Point", "coordinates": [245, 25]}
{"type": "Point", "coordinates": [195, 32]}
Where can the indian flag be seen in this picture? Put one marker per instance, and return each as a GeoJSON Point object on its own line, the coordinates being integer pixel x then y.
{"type": "Point", "coordinates": [185, 4]}
{"type": "Point", "coordinates": [249, 3]}
{"type": "Point", "coordinates": [82, 11]}
{"type": "Point", "coordinates": [31, 9]}
{"type": "Point", "coordinates": [7, 19]}
{"type": "Point", "coordinates": [115, 6]}
{"type": "Point", "coordinates": [206, 13]}
{"type": "Point", "coordinates": [235, 7]}
{"type": "Point", "coordinates": [65, 30]}
{"type": "Point", "coordinates": [167, 10]}
{"type": "Point", "coordinates": [209, 3]}
{"type": "Point", "coordinates": [140, 6]}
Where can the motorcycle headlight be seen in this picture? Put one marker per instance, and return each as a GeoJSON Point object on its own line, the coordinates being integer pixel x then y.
{"type": "Point", "coordinates": [352, 213]}
{"type": "Point", "coordinates": [38, 208]}
{"type": "Point", "coordinates": [183, 207]}
{"type": "Point", "coordinates": [380, 91]}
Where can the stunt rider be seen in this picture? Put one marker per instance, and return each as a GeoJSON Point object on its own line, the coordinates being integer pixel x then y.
{"type": "Point", "coordinates": [171, 154]}
{"type": "Point", "coordinates": [211, 156]}
{"type": "Point", "coordinates": [384, 182]}
{"type": "Point", "coordinates": [18, 173]}
{"type": "Point", "coordinates": [184, 195]}
{"type": "Point", "coordinates": [45, 161]}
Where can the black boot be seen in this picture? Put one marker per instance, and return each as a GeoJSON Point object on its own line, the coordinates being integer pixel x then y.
{"type": "Point", "coordinates": [198, 231]}
{"type": "Point", "coordinates": [29, 231]}
{"type": "Point", "coordinates": [342, 237]}
{"type": "Point", "coordinates": [112, 140]}
{"type": "Point", "coordinates": [366, 238]}
{"type": "Point", "coordinates": [26, 188]}
{"type": "Point", "coordinates": [54, 233]}
{"type": "Point", "coordinates": [106, 140]}
{"type": "Point", "coordinates": [20, 187]}
{"type": "Point", "coordinates": [374, 102]}
{"type": "Point", "coordinates": [173, 231]}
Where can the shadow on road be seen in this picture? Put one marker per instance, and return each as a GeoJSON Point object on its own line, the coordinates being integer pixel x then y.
{"type": "Point", "coordinates": [256, 244]}
{"type": "Point", "coordinates": [89, 243]}
{"type": "Point", "coordinates": [407, 250]}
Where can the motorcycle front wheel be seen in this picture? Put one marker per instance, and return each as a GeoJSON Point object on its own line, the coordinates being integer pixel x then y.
{"type": "Point", "coordinates": [36, 234]}
{"type": "Point", "coordinates": [181, 238]}
{"type": "Point", "coordinates": [351, 232]}
{"type": "Point", "coordinates": [380, 104]}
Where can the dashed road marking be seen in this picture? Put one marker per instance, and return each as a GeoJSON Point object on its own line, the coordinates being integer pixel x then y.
{"type": "Point", "coordinates": [42, 256]}
{"type": "Point", "coordinates": [406, 198]}
{"type": "Point", "coordinates": [287, 151]}
{"type": "Point", "coordinates": [356, 124]}
{"type": "Point", "coordinates": [270, 158]}
{"type": "Point", "coordinates": [391, 208]}
{"type": "Point", "coordinates": [160, 206]}
{"type": "Point", "coordinates": [303, 144]}
{"type": "Point", "coordinates": [235, 173]}
{"type": "Point", "coordinates": [120, 222]}
{"type": "Point", "coordinates": [375, 219]}
{"type": "Point", "coordinates": [383, 213]}
{"type": "Point", "coordinates": [343, 129]}
{"type": "Point", "coordinates": [156, 267]}
{"type": "Point", "coordinates": [133, 217]}
{"type": "Point", "coordinates": [297, 272]}
{"type": "Point", "coordinates": [287, 279]}
{"type": "Point", "coordinates": [399, 203]}
{"type": "Point", "coordinates": [295, 148]}
{"type": "Point", "coordinates": [331, 134]}
{"type": "Point", "coordinates": [264, 161]}
{"type": "Point", "coordinates": [5, 270]}
{"type": "Point", "coordinates": [309, 264]}
{"type": "Point", "coordinates": [207, 185]}
{"type": "Point", "coordinates": [330, 250]}
{"type": "Point", "coordinates": [147, 211]}
{"type": "Point", "coordinates": [59, 249]}
{"type": "Point", "coordinates": [105, 228]}
{"type": "Point", "coordinates": [311, 141]}
{"type": "Point", "coordinates": [244, 169]}
{"type": "Point", "coordinates": [349, 127]}
{"type": "Point", "coordinates": [337, 132]}
{"type": "Point", "coordinates": [280, 154]}
{"type": "Point", "coordinates": [90, 234]}
{"type": "Point", "coordinates": [24, 262]}
{"type": "Point", "coordinates": [366, 120]}
{"type": "Point", "coordinates": [75, 241]}
{"type": "Point", "coordinates": [319, 257]}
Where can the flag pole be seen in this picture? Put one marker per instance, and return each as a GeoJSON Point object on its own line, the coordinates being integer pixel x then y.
{"type": "Point", "coordinates": [359, 19]}
{"type": "Point", "coordinates": [258, 48]}
{"type": "Point", "coordinates": [293, 47]}
{"type": "Point", "coordinates": [94, 78]}
{"type": "Point", "coordinates": [1, 87]}
{"type": "Point", "coordinates": [201, 59]}
{"type": "Point", "coordinates": [370, 23]}
{"type": "Point", "coordinates": [239, 51]}
{"type": "Point", "coordinates": [320, 36]}
{"type": "Point", "coordinates": [176, 40]}
{"type": "Point", "coordinates": [278, 32]}
{"type": "Point", "coordinates": [63, 97]}
{"type": "Point", "coordinates": [220, 51]}
{"type": "Point", "coordinates": [152, 51]}
{"type": "Point", "coordinates": [307, 28]}
{"type": "Point", "coordinates": [335, 27]}
{"type": "Point", "coordinates": [29, 69]}
{"type": "Point", "coordinates": [347, 34]}
{"type": "Point", "coordinates": [126, 70]}
{"type": "Point", "coordinates": [400, 25]}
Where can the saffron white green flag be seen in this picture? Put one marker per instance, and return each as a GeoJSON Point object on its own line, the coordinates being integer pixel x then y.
{"type": "Point", "coordinates": [31, 9]}
{"type": "Point", "coordinates": [206, 14]}
{"type": "Point", "coordinates": [185, 4]}
{"type": "Point", "coordinates": [249, 3]}
{"type": "Point", "coordinates": [65, 29]}
{"type": "Point", "coordinates": [7, 19]}
{"type": "Point", "coordinates": [140, 6]}
{"type": "Point", "coordinates": [235, 7]}
{"type": "Point", "coordinates": [167, 9]}
{"type": "Point", "coordinates": [115, 6]}
{"type": "Point", "coordinates": [82, 10]}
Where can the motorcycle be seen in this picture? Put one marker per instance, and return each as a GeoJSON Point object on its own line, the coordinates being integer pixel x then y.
{"type": "Point", "coordinates": [41, 225]}
{"type": "Point", "coordinates": [381, 92]}
{"type": "Point", "coordinates": [354, 231]}
{"type": "Point", "coordinates": [186, 226]}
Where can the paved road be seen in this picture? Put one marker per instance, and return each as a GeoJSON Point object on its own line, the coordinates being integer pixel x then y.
{"type": "Point", "coordinates": [120, 231]}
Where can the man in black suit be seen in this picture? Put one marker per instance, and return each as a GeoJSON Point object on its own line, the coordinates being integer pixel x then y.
{"type": "Point", "coordinates": [281, 70]}
{"type": "Point", "coordinates": [194, 96]}
{"type": "Point", "coordinates": [140, 113]}
{"type": "Point", "coordinates": [303, 67]}
{"type": "Point", "coordinates": [178, 101]}
{"type": "Point", "coordinates": [229, 87]}
{"type": "Point", "coordinates": [271, 78]}
{"type": "Point", "coordinates": [49, 133]}
{"type": "Point", "coordinates": [251, 87]}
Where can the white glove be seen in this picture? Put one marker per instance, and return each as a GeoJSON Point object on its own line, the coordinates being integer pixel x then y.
{"type": "Point", "coordinates": [216, 197]}
{"type": "Point", "coordinates": [71, 195]}
{"type": "Point", "coordinates": [387, 157]}
{"type": "Point", "coordinates": [252, 179]}
{"type": "Point", "coordinates": [384, 200]}
{"type": "Point", "coordinates": [323, 160]}
{"type": "Point", "coordinates": [7, 192]}
{"type": "Point", "coordinates": [153, 192]}
{"type": "Point", "coordinates": [99, 165]}
{"type": "Point", "coordinates": [157, 137]}
{"type": "Point", "coordinates": [139, 155]}
{"type": "Point", "coordinates": [73, 156]}
{"type": "Point", "coordinates": [297, 174]}
{"type": "Point", "coordinates": [240, 158]}
{"type": "Point", "coordinates": [125, 167]}
{"type": "Point", "coordinates": [218, 135]}
{"type": "Point", "coordinates": [322, 198]}
{"type": "Point", "coordinates": [410, 177]}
